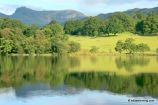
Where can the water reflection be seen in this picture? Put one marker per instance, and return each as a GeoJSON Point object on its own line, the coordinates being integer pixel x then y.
{"type": "Point", "coordinates": [43, 89]}
{"type": "Point", "coordinates": [85, 97]}
{"type": "Point", "coordinates": [73, 76]}
{"type": "Point", "coordinates": [140, 85]}
{"type": "Point", "coordinates": [15, 71]}
{"type": "Point", "coordinates": [130, 61]}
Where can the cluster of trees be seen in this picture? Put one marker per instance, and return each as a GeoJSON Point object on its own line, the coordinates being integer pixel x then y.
{"type": "Point", "coordinates": [130, 47]}
{"type": "Point", "coordinates": [149, 25]}
{"type": "Point", "coordinates": [16, 37]}
{"type": "Point", "coordinates": [116, 23]}
{"type": "Point", "coordinates": [95, 26]}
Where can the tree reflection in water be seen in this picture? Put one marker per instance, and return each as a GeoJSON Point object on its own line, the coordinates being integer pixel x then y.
{"type": "Point", "coordinates": [54, 71]}
{"type": "Point", "coordinates": [142, 84]}
{"type": "Point", "coordinates": [130, 61]}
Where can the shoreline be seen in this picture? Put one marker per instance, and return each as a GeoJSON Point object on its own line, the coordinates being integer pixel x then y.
{"type": "Point", "coordinates": [87, 54]}
{"type": "Point", "coordinates": [113, 54]}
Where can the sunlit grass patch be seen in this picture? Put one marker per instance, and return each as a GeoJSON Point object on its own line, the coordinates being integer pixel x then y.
{"type": "Point", "coordinates": [107, 44]}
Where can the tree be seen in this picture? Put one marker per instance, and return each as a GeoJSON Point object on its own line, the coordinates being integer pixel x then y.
{"type": "Point", "coordinates": [15, 37]}
{"type": "Point", "coordinates": [142, 47]}
{"type": "Point", "coordinates": [129, 46]}
{"type": "Point", "coordinates": [59, 47]}
{"type": "Point", "coordinates": [114, 26]}
{"type": "Point", "coordinates": [74, 27]}
{"type": "Point", "coordinates": [28, 45]}
{"type": "Point", "coordinates": [12, 23]}
{"type": "Point", "coordinates": [138, 17]}
{"type": "Point", "coordinates": [149, 25]}
{"type": "Point", "coordinates": [120, 22]}
{"type": "Point", "coordinates": [59, 44]}
{"type": "Point", "coordinates": [91, 26]}
{"type": "Point", "coordinates": [31, 30]}
{"type": "Point", "coordinates": [54, 28]}
{"type": "Point", "coordinates": [119, 46]}
{"type": "Point", "coordinates": [102, 29]}
{"type": "Point", "coordinates": [5, 46]}
{"type": "Point", "coordinates": [6, 33]}
{"type": "Point", "coordinates": [139, 27]}
{"type": "Point", "coordinates": [41, 42]}
{"type": "Point", "coordinates": [74, 47]}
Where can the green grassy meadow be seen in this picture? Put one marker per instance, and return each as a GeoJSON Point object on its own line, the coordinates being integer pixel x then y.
{"type": "Point", "coordinates": [107, 44]}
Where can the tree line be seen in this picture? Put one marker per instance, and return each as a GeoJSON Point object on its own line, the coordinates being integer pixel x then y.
{"type": "Point", "coordinates": [116, 23]}
{"type": "Point", "coordinates": [16, 37]}
{"type": "Point", "coordinates": [19, 38]}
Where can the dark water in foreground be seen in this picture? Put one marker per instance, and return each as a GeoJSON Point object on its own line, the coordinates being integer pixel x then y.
{"type": "Point", "coordinates": [97, 80]}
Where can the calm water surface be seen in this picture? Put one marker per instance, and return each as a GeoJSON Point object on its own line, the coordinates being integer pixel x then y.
{"type": "Point", "coordinates": [82, 80]}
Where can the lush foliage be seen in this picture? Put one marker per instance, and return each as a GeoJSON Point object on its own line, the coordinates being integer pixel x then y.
{"type": "Point", "coordinates": [74, 46]}
{"type": "Point", "coordinates": [130, 47]}
{"type": "Point", "coordinates": [15, 37]}
{"type": "Point", "coordinates": [119, 22]}
{"type": "Point", "coordinates": [73, 27]}
{"type": "Point", "coordinates": [148, 25]}
{"type": "Point", "coordinates": [114, 24]}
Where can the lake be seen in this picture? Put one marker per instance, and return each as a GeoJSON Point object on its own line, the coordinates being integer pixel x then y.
{"type": "Point", "coordinates": [81, 80]}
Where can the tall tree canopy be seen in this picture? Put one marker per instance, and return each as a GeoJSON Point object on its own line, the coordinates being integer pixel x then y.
{"type": "Point", "coordinates": [16, 37]}
{"type": "Point", "coordinates": [74, 27]}
{"type": "Point", "coordinates": [148, 25]}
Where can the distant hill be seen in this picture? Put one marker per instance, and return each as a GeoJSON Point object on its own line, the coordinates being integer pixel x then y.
{"type": "Point", "coordinates": [41, 18]}
{"type": "Point", "coordinates": [3, 15]}
{"type": "Point", "coordinates": [132, 11]}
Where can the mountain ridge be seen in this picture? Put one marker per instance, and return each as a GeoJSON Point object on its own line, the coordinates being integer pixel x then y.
{"type": "Point", "coordinates": [30, 16]}
{"type": "Point", "coordinates": [131, 12]}
{"type": "Point", "coordinates": [40, 18]}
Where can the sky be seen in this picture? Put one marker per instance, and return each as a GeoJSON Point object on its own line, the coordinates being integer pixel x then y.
{"type": "Point", "coordinates": [88, 7]}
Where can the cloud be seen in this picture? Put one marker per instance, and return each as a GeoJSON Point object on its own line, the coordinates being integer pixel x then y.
{"type": "Point", "coordinates": [7, 9]}
{"type": "Point", "coordinates": [89, 7]}
{"type": "Point", "coordinates": [94, 7]}
{"type": "Point", "coordinates": [123, 2]}
{"type": "Point", "coordinates": [112, 2]}
{"type": "Point", "coordinates": [92, 2]}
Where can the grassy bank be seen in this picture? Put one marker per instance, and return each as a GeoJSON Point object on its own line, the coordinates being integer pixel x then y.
{"type": "Point", "coordinates": [106, 45]}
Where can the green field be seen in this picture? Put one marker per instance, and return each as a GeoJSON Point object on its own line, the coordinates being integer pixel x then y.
{"type": "Point", "coordinates": [107, 44]}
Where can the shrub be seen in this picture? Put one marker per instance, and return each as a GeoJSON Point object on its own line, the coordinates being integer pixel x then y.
{"type": "Point", "coordinates": [74, 47]}
{"type": "Point", "coordinates": [119, 46]}
{"type": "Point", "coordinates": [95, 33]}
{"type": "Point", "coordinates": [59, 47]}
{"type": "Point", "coordinates": [142, 47]}
{"type": "Point", "coordinates": [131, 47]}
